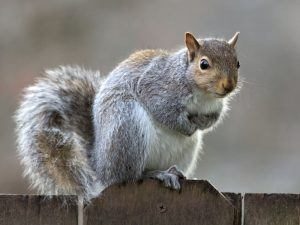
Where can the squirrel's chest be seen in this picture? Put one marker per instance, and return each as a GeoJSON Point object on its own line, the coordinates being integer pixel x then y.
{"type": "Point", "coordinates": [199, 103]}
{"type": "Point", "coordinates": [168, 148]}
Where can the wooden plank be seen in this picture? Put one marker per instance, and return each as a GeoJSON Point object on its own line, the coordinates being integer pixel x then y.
{"type": "Point", "coordinates": [38, 210]}
{"type": "Point", "coordinates": [271, 209]}
{"type": "Point", "coordinates": [148, 202]}
{"type": "Point", "coordinates": [236, 201]}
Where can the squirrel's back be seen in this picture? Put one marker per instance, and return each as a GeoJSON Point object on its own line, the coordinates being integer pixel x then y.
{"type": "Point", "coordinates": [55, 131]}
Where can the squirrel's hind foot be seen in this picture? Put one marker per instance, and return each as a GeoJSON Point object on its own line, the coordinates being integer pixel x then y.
{"type": "Point", "coordinates": [170, 177]}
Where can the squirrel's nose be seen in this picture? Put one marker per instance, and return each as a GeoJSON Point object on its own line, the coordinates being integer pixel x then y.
{"type": "Point", "coordinates": [227, 88]}
{"type": "Point", "coordinates": [227, 85]}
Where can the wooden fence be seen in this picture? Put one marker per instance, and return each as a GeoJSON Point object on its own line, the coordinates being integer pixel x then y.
{"type": "Point", "coordinates": [148, 202]}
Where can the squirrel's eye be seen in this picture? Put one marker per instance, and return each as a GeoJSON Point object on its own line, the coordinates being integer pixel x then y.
{"type": "Point", "coordinates": [204, 65]}
{"type": "Point", "coordinates": [238, 64]}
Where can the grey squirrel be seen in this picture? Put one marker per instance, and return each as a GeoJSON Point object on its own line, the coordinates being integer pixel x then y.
{"type": "Point", "coordinates": [78, 133]}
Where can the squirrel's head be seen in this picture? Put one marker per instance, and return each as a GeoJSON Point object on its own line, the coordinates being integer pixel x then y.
{"type": "Point", "coordinates": [213, 64]}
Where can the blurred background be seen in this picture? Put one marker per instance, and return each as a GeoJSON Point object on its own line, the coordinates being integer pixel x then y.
{"type": "Point", "coordinates": [256, 149]}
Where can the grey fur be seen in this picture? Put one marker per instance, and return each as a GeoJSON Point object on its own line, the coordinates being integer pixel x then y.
{"type": "Point", "coordinates": [78, 134]}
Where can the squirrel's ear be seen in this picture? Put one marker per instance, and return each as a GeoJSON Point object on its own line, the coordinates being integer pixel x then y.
{"type": "Point", "coordinates": [234, 39]}
{"type": "Point", "coordinates": [192, 45]}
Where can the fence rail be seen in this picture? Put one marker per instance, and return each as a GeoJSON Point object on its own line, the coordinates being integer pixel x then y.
{"type": "Point", "coordinates": [148, 202]}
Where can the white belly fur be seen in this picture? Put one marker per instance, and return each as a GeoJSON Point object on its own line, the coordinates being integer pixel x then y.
{"type": "Point", "coordinates": [168, 148]}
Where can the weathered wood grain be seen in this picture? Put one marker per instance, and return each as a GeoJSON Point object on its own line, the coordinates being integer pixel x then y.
{"type": "Point", "coordinates": [272, 209]}
{"type": "Point", "coordinates": [150, 203]}
{"type": "Point", "coordinates": [37, 210]}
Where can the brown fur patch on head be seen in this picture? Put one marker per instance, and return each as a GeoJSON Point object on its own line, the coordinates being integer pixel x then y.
{"type": "Point", "coordinates": [222, 55]}
{"type": "Point", "coordinates": [221, 76]}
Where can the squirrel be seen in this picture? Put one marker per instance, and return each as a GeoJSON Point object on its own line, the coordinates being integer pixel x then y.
{"type": "Point", "coordinates": [78, 132]}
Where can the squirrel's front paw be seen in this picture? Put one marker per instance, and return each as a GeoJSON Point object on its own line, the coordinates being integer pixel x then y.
{"type": "Point", "coordinates": [204, 121]}
{"type": "Point", "coordinates": [170, 177]}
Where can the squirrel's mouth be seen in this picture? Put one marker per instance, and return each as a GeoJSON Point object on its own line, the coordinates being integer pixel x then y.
{"type": "Point", "coordinates": [219, 95]}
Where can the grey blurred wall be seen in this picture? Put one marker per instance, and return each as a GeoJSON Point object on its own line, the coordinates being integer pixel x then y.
{"type": "Point", "coordinates": [256, 149]}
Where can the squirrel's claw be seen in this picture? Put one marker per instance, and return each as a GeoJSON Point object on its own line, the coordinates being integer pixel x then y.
{"type": "Point", "coordinates": [174, 170]}
{"type": "Point", "coordinates": [170, 181]}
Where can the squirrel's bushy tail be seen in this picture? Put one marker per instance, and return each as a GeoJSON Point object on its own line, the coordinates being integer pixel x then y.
{"type": "Point", "coordinates": [55, 131]}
